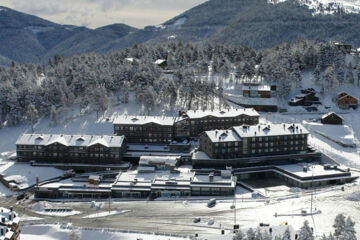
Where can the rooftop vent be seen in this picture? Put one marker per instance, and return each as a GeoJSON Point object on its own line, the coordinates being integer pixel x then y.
{"type": "Point", "coordinates": [39, 138]}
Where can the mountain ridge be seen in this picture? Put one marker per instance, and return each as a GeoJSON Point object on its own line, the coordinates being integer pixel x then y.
{"type": "Point", "coordinates": [253, 23]}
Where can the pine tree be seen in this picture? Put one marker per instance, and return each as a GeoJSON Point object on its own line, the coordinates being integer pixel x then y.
{"type": "Point", "coordinates": [31, 115]}
{"type": "Point", "coordinates": [349, 230]}
{"type": "Point", "coordinates": [339, 225]}
{"type": "Point", "coordinates": [239, 235]}
{"type": "Point", "coordinates": [53, 115]}
{"type": "Point", "coordinates": [286, 235]}
{"type": "Point", "coordinates": [316, 73]}
{"type": "Point", "coordinates": [306, 232]}
{"type": "Point", "coordinates": [250, 234]}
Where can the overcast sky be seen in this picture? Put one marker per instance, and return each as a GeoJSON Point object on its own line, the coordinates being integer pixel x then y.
{"type": "Point", "coordinates": [96, 13]}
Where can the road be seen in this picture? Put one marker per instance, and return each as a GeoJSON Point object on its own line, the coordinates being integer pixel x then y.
{"type": "Point", "coordinates": [177, 216]}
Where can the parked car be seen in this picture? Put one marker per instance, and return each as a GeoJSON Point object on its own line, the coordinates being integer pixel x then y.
{"type": "Point", "coordinates": [211, 203]}
{"type": "Point", "coordinates": [211, 221]}
{"type": "Point", "coordinates": [196, 220]}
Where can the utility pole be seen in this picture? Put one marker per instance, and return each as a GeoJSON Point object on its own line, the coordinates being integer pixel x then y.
{"type": "Point", "coordinates": [235, 211]}
{"type": "Point", "coordinates": [312, 185]}
{"type": "Point", "coordinates": [109, 202]}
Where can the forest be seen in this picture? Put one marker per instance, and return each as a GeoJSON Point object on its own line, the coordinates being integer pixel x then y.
{"type": "Point", "coordinates": [92, 81]}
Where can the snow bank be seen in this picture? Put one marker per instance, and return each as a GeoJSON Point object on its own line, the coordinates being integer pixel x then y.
{"type": "Point", "coordinates": [58, 232]}
{"type": "Point", "coordinates": [353, 197]}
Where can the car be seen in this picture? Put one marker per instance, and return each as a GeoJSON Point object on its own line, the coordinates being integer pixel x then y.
{"type": "Point", "coordinates": [197, 220]}
{"type": "Point", "coordinates": [211, 203]}
{"type": "Point", "coordinates": [311, 109]}
{"type": "Point", "coordinates": [20, 196]}
{"type": "Point", "coordinates": [211, 221]}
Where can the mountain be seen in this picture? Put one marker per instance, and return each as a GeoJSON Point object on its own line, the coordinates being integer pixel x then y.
{"type": "Point", "coordinates": [27, 38]}
{"type": "Point", "coordinates": [261, 25]}
{"type": "Point", "coordinates": [90, 40]}
{"type": "Point", "coordinates": [253, 23]}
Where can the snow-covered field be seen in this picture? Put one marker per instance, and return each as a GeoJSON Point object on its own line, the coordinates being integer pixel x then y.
{"type": "Point", "coordinates": [59, 232]}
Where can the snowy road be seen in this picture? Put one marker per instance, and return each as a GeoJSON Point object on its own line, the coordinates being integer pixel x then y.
{"type": "Point", "coordinates": [177, 217]}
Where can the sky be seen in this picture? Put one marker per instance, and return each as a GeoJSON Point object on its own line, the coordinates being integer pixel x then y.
{"type": "Point", "coordinates": [97, 13]}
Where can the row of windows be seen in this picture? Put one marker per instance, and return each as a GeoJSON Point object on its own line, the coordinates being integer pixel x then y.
{"type": "Point", "coordinates": [146, 134]}
{"type": "Point", "coordinates": [141, 128]}
{"type": "Point", "coordinates": [43, 154]}
{"type": "Point", "coordinates": [222, 120]}
{"type": "Point", "coordinates": [38, 147]}
{"type": "Point", "coordinates": [296, 136]}
{"type": "Point", "coordinates": [260, 150]}
{"type": "Point", "coordinates": [150, 140]}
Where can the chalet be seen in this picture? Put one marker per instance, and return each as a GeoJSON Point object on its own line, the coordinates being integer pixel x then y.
{"type": "Point", "coordinates": [9, 224]}
{"type": "Point", "coordinates": [346, 101]}
{"type": "Point", "coordinates": [144, 129]}
{"type": "Point", "coordinates": [306, 98]}
{"type": "Point", "coordinates": [259, 91]}
{"type": "Point", "coordinates": [258, 140]}
{"type": "Point", "coordinates": [193, 122]}
{"type": "Point", "coordinates": [59, 148]}
{"type": "Point", "coordinates": [331, 118]}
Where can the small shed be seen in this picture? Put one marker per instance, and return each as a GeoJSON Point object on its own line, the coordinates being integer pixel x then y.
{"type": "Point", "coordinates": [331, 118]}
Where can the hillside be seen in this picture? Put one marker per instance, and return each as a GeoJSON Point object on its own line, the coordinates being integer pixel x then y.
{"type": "Point", "coordinates": [27, 38]}
{"type": "Point", "coordinates": [254, 23]}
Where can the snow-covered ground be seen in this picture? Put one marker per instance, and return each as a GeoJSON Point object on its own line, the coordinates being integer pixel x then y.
{"type": "Point", "coordinates": [329, 6]}
{"type": "Point", "coordinates": [59, 232]}
{"type": "Point", "coordinates": [24, 175]}
{"type": "Point", "coordinates": [106, 214]}
{"type": "Point", "coordinates": [340, 133]}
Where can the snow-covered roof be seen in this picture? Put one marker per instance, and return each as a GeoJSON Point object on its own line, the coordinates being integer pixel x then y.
{"type": "Point", "coordinates": [141, 120]}
{"type": "Point", "coordinates": [237, 133]}
{"type": "Point", "coordinates": [232, 112]}
{"type": "Point", "coordinates": [330, 113]}
{"type": "Point", "coordinates": [70, 140]}
{"type": "Point", "coordinates": [156, 160]}
{"type": "Point", "coordinates": [257, 88]}
{"type": "Point", "coordinates": [159, 61]}
{"type": "Point", "coordinates": [223, 136]}
{"type": "Point", "coordinates": [6, 233]}
{"type": "Point", "coordinates": [270, 130]}
{"type": "Point", "coordinates": [10, 216]}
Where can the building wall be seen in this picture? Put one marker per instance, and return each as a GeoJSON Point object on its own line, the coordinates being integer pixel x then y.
{"type": "Point", "coordinates": [347, 102]}
{"type": "Point", "coordinates": [147, 133]}
{"type": "Point", "coordinates": [207, 123]}
{"type": "Point", "coordinates": [332, 119]}
{"type": "Point", "coordinates": [57, 153]}
{"type": "Point", "coordinates": [257, 93]}
{"type": "Point", "coordinates": [254, 146]}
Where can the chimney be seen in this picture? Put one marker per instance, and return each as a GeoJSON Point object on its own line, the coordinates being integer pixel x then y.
{"type": "Point", "coordinates": [37, 181]}
{"type": "Point", "coordinates": [2, 232]}
{"type": "Point", "coordinates": [211, 177]}
{"type": "Point", "coordinates": [180, 113]}
{"type": "Point", "coordinates": [3, 219]}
